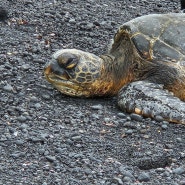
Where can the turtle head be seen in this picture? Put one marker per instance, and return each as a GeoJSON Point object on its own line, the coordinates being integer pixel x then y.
{"type": "Point", "coordinates": [77, 73]}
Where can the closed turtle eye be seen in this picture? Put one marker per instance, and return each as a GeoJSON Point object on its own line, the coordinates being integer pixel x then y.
{"type": "Point", "coordinates": [67, 61]}
{"type": "Point", "coordinates": [71, 63]}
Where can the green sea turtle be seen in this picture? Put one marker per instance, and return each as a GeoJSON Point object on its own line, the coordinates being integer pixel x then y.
{"type": "Point", "coordinates": [145, 67]}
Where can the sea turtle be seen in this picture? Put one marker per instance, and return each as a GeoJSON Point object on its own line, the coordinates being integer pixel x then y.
{"type": "Point", "coordinates": [145, 67]}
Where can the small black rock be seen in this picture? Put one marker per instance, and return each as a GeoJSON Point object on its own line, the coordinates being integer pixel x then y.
{"type": "Point", "coordinates": [3, 14]}
{"type": "Point", "coordinates": [182, 4]}
{"type": "Point", "coordinates": [147, 163]}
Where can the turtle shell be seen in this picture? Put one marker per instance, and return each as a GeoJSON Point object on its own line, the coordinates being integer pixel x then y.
{"type": "Point", "coordinates": [159, 36]}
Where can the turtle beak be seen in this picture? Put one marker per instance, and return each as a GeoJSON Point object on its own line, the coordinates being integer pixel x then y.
{"type": "Point", "coordinates": [47, 70]}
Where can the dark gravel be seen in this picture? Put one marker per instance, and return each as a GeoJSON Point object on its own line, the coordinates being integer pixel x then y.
{"type": "Point", "coordinates": [47, 138]}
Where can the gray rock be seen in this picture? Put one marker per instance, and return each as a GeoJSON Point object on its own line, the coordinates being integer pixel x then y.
{"type": "Point", "coordinates": [121, 115]}
{"type": "Point", "coordinates": [107, 120]}
{"type": "Point", "coordinates": [118, 181]}
{"type": "Point", "coordinates": [46, 96]}
{"type": "Point", "coordinates": [182, 182]}
{"type": "Point", "coordinates": [179, 140]}
{"type": "Point", "coordinates": [72, 21]}
{"type": "Point", "coordinates": [129, 131]}
{"type": "Point", "coordinates": [37, 105]}
{"type": "Point", "coordinates": [8, 88]}
{"type": "Point", "coordinates": [21, 118]}
{"type": "Point", "coordinates": [164, 126]}
{"type": "Point", "coordinates": [159, 118]}
{"type": "Point", "coordinates": [19, 142]}
{"type": "Point", "coordinates": [50, 158]}
{"type": "Point", "coordinates": [76, 138]}
{"type": "Point", "coordinates": [25, 66]}
{"type": "Point", "coordinates": [179, 171]}
{"type": "Point", "coordinates": [144, 177]}
{"type": "Point", "coordinates": [90, 26]}
{"type": "Point", "coordinates": [97, 107]}
{"type": "Point", "coordinates": [126, 173]}
{"type": "Point", "coordinates": [127, 179]}
{"type": "Point", "coordinates": [33, 99]}
{"type": "Point", "coordinates": [136, 117]}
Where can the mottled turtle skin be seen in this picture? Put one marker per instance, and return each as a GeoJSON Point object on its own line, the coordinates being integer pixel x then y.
{"type": "Point", "coordinates": [145, 67]}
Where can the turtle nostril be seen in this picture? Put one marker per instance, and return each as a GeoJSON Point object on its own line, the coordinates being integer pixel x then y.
{"type": "Point", "coordinates": [56, 69]}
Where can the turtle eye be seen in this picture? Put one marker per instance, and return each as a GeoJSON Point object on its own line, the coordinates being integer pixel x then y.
{"type": "Point", "coordinates": [71, 63]}
{"type": "Point", "coordinates": [67, 61]}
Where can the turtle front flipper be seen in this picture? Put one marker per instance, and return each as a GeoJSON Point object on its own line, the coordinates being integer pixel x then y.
{"type": "Point", "coordinates": [151, 100]}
